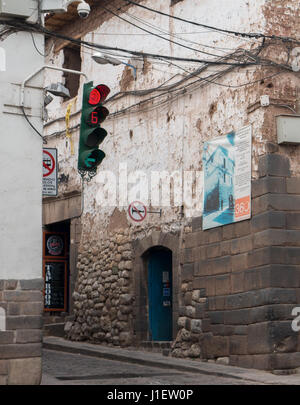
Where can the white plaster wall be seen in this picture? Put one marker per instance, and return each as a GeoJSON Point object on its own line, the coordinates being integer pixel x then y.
{"type": "Point", "coordinates": [169, 137]}
{"type": "Point", "coordinates": [20, 161]}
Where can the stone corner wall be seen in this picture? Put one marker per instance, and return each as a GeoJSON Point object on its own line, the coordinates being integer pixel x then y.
{"type": "Point", "coordinates": [240, 282]}
{"type": "Point", "coordinates": [103, 296]}
{"type": "Point", "coordinates": [21, 304]}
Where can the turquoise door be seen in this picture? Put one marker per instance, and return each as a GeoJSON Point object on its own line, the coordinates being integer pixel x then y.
{"type": "Point", "coordinates": [160, 295]}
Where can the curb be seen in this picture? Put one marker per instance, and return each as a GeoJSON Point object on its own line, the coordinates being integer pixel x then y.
{"type": "Point", "coordinates": [144, 362]}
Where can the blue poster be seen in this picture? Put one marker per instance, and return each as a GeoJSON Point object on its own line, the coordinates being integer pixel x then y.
{"type": "Point", "coordinates": [227, 179]}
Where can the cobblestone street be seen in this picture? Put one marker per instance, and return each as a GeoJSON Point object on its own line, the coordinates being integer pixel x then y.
{"type": "Point", "coordinates": [75, 369]}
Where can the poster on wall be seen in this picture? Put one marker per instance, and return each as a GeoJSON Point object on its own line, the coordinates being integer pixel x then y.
{"type": "Point", "coordinates": [227, 179]}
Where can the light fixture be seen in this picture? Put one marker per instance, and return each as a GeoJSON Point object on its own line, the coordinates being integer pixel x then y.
{"type": "Point", "coordinates": [58, 89]}
{"type": "Point", "coordinates": [103, 59]}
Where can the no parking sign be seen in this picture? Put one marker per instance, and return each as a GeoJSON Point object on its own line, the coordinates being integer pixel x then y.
{"type": "Point", "coordinates": [50, 171]}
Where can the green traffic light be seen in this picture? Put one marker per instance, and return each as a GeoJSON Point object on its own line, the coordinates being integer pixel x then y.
{"type": "Point", "coordinates": [91, 134]}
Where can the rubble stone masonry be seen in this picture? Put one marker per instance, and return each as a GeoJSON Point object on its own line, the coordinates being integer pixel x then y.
{"type": "Point", "coordinates": [21, 341]}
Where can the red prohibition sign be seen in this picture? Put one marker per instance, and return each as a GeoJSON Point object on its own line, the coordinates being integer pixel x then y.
{"type": "Point", "coordinates": [135, 209]}
{"type": "Point", "coordinates": [49, 169]}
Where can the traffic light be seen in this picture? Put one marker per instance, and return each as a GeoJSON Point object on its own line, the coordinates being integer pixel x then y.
{"type": "Point", "coordinates": [93, 113]}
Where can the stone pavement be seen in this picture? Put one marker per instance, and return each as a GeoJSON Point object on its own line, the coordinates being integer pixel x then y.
{"type": "Point", "coordinates": [131, 355]}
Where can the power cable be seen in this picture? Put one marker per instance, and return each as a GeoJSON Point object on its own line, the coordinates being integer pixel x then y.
{"type": "Point", "coordinates": [159, 36]}
{"type": "Point", "coordinates": [242, 34]}
{"type": "Point", "coordinates": [39, 28]}
{"type": "Point", "coordinates": [32, 126]}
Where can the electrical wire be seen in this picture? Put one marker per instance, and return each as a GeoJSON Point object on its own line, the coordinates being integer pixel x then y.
{"type": "Point", "coordinates": [36, 27]}
{"type": "Point", "coordinates": [32, 126]}
{"type": "Point", "coordinates": [159, 36]}
{"type": "Point", "coordinates": [36, 48]}
{"type": "Point", "coordinates": [242, 34]}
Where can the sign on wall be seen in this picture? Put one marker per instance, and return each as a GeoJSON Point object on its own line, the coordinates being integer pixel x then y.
{"type": "Point", "coordinates": [227, 179]}
{"type": "Point", "coordinates": [50, 172]}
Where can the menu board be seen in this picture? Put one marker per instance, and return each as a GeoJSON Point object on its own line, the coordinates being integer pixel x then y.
{"type": "Point", "coordinates": [55, 275]}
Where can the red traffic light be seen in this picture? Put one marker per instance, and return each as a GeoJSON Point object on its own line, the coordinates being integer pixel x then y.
{"type": "Point", "coordinates": [98, 94]}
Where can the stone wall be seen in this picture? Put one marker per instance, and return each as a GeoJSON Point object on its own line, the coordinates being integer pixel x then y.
{"type": "Point", "coordinates": [103, 299]}
{"type": "Point", "coordinates": [241, 281]}
{"type": "Point", "coordinates": [21, 339]}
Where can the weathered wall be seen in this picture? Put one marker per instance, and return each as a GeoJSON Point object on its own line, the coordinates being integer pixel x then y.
{"type": "Point", "coordinates": [169, 136]}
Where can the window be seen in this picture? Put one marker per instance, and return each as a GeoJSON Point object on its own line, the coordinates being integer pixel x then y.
{"type": "Point", "coordinates": [72, 60]}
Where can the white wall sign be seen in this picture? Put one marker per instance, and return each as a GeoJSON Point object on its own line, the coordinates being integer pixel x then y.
{"type": "Point", "coordinates": [50, 172]}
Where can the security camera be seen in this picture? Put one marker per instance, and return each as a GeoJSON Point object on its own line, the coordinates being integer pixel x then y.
{"type": "Point", "coordinates": [83, 10]}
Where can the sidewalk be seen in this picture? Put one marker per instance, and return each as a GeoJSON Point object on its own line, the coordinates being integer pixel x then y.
{"type": "Point", "coordinates": [158, 360]}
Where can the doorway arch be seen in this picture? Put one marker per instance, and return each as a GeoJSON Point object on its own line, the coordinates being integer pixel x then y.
{"type": "Point", "coordinates": [143, 249]}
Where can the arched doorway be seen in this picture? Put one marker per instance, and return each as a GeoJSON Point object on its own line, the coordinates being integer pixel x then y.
{"type": "Point", "coordinates": [159, 283]}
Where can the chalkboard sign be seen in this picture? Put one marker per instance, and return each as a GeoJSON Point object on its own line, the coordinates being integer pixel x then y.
{"type": "Point", "coordinates": [55, 276]}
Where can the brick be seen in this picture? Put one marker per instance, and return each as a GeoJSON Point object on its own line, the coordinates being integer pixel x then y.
{"type": "Point", "coordinates": [259, 257]}
{"type": "Point", "coordinates": [228, 232]}
{"type": "Point", "coordinates": [284, 202]}
{"type": "Point", "coordinates": [237, 317]}
{"type": "Point", "coordinates": [238, 345]}
{"type": "Point", "coordinates": [195, 239]}
{"type": "Point", "coordinates": [274, 165]}
{"type": "Point", "coordinates": [225, 247]}
{"type": "Point", "coordinates": [216, 317]}
{"type": "Point", "coordinates": [28, 336]}
{"type": "Point", "coordinates": [14, 351]}
{"type": "Point", "coordinates": [269, 219]}
{"type": "Point", "coordinates": [10, 284]}
{"type": "Point", "coordinates": [282, 275]}
{"type": "Point", "coordinates": [293, 185]}
{"type": "Point", "coordinates": [257, 278]}
{"type": "Point", "coordinates": [13, 308]}
{"type": "Point", "coordinates": [187, 273]}
{"type": "Point", "coordinates": [293, 220]}
{"type": "Point", "coordinates": [285, 255]}
{"type": "Point", "coordinates": [196, 223]}
{"type": "Point", "coordinates": [275, 312]}
{"type": "Point", "coordinates": [293, 237]}
{"type": "Point", "coordinates": [3, 380]}
{"type": "Point", "coordinates": [214, 235]}
{"type": "Point", "coordinates": [6, 337]}
{"type": "Point", "coordinates": [260, 204]}
{"type": "Point", "coordinates": [275, 237]}
{"type": "Point", "coordinates": [268, 184]}
{"type": "Point", "coordinates": [218, 330]}
{"type": "Point", "coordinates": [213, 250]}
{"type": "Point", "coordinates": [199, 253]}
{"type": "Point", "coordinates": [239, 262]}
{"type": "Point", "coordinates": [218, 265]}
{"type": "Point", "coordinates": [245, 361]}
{"type": "Point", "coordinates": [283, 361]}
{"type": "Point", "coordinates": [241, 245]}
{"type": "Point", "coordinates": [220, 302]}
{"type": "Point", "coordinates": [269, 337]}
{"type": "Point", "coordinates": [25, 371]}
{"type": "Point", "coordinates": [188, 255]}
{"type": "Point", "coordinates": [242, 228]}
{"type": "Point", "coordinates": [237, 282]}
{"type": "Point", "coordinates": [4, 367]}
{"type": "Point", "coordinates": [200, 310]}
{"type": "Point", "coordinates": [18, 296]}
{"type": "Point", "coordinates": [23, 322]}
{"type": "Point", "coordinates": [223, 285]}
{"type": "Point", "coordinates": [210, 286]}
{"type": "Point", "coordinates": [32, 308]}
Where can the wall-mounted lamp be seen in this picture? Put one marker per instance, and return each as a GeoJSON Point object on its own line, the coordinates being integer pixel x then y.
{"type": "Point", "coordinates": [103, 59]}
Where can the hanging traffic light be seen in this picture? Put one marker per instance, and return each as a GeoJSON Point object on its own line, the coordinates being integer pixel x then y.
{"type": "Point", "coordinates": [91, 134]}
